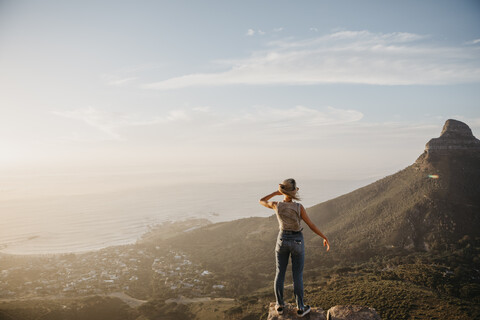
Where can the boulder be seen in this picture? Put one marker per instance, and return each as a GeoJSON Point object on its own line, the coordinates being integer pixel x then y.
{"type": "Point", "coordinates": [352, 312]}
{"type": "Point", "coordinates": [290, 312]}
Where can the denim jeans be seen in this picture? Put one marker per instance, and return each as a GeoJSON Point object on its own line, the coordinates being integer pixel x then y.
{"type": "Point", "coordinates": [294, 246]}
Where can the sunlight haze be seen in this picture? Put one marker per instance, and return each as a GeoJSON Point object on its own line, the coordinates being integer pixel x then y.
{"type": "Point", "coordinates": [111, 96]}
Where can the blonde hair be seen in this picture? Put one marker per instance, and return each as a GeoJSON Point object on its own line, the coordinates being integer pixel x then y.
{"type": "Point", "coordinates": [289, 188]}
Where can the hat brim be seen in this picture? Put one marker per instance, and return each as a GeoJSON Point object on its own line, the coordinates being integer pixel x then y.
{"type": "Point", "coordinates": [291, 194]}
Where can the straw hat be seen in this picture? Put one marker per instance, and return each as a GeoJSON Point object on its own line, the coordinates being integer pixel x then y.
{"type": "Point", "coordinates": [289, 188]}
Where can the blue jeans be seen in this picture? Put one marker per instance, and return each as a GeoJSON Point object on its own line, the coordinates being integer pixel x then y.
{"type": "Point", "coordinates": [294, 246]}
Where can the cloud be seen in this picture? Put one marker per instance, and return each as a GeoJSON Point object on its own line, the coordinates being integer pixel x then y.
{"type": "Point", "coordinates": [111, 122]}
{"type": "Point", "coordinates": [279, 29]}
{"type": "Point", "coordinates": [476, 41]}
{"type": "Point", "coordinates": [300, 116]}
{"type": "Point", "coordinates": [204, 124]}
{"type": "Point", "coordinates": [116, 81]}
{"type": "Point", "coordinates": [257, 126]}
{"type": "Point", "coordinates": [264, 124]}
{"type": "Point", "coordinates": [251, 32]}
{"type": "Point", "coordinates": [345, 39]}
{"type": "Point", "coordinates": [202, 109]}
{"type": "Point", "coordinates": [360, 57]}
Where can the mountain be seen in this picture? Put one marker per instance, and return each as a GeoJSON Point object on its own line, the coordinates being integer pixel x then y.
{"type": "Point", "coordinates": [433, 203]}
{"type": "Point", "coordinates": [430, 205]}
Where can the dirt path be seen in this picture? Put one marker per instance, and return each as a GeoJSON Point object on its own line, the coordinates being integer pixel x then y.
{"type": "Point", "coordinates": [132, 302]}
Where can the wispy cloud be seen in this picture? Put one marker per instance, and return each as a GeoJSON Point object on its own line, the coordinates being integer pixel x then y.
{"type": "Point", "coordinates": [344, 57]}
{"type": "Point", "coordinates": [300, 116]}
{"type": "Point", "coordinates": [111, 122]}
{"type": "Point", "coordinates": [250, 32]}
{"type": "Point", "coordinates": [260, 121]}
{"type": "Point", "coordinates": [117, 81]}
{"type": "Point", "coordinates": [256, 126]}
{"type": "Point", "coordinates": [476, 41]}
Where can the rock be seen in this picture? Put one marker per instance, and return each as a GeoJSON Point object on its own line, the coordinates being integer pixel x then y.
{"type": "Point", "coordinates": [351, 312]}
{"type": "Point", "coordinates": [456, 137]}
{"type": "Point", "coordinates": [290, 312]}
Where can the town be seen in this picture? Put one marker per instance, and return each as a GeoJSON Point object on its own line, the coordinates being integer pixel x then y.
{"type": "Point", "coordinates": [137, 270]}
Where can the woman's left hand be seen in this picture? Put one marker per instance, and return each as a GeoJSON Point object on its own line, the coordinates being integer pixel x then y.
{"type": "Point", "coordinates": [327, 244]}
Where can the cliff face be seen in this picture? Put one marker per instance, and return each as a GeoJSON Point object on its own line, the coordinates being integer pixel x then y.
{"type": "Point", "coordinates": [456, 138]}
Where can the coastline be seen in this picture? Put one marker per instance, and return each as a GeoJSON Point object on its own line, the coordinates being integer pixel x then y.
{"type": "Point", "coordinates": [125, 268]}
{"type": "Point", "coordinates": [83, 223]}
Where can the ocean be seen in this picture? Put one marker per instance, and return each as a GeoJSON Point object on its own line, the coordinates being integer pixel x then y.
{"type": "Point", "coordinates": [62, 223]}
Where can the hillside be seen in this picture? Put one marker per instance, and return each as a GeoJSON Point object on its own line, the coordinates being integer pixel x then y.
{"type": "Point", "coordinates": [429, 205]}
{"type": "Point", "coordinates": [410, 209]}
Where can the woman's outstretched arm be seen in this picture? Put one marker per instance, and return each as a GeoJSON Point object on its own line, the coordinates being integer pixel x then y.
{"type": "Point", "coordinates": [313, 227]}
{"type": "Point", "coordinates": [270, 204]}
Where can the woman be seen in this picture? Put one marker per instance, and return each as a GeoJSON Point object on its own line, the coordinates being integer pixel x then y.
{"type": "Point", "coordinates": [290, 242]}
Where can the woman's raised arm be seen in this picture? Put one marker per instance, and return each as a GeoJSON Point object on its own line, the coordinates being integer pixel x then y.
{"type": "Point", "coordinates": [270, 204]}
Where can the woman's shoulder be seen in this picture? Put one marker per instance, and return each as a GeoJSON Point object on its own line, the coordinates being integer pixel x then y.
{"type": "Point", "coordinates": [291, 204]}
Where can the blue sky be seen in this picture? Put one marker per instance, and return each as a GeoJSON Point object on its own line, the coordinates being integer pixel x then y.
{"type": "Point", "coordinates": [233, 89]}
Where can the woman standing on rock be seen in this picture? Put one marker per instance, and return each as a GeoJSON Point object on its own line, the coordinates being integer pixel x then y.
{"type": "Point", "coordinates": [290, 242]}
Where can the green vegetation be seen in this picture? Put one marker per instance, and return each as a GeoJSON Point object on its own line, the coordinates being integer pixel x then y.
{"type": "Point", "coordinates": [393, 299]}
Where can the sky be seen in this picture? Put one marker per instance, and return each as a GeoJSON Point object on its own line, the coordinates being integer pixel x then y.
{"type": "Point", "coordinates": [232, 90]}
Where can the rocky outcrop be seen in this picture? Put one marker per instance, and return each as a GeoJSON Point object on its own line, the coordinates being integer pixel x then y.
{"type": "Point", "coordinates": [290, 312]}
{"type": "Point", "coordinates": [456, 137]}
{"type": "Point", "coordinates": [351, 312]}
{"type": "Point", "coordinates": [347, 312]}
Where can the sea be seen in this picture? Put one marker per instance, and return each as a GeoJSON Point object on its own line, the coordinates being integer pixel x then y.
{"type": "Point", "coordinates": [51, 223]}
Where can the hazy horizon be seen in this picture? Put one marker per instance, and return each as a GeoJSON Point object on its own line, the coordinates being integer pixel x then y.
{"type": "Point", "coordinates": [102, 97]}
{"type": "Point", "coordinates": [84, 221]}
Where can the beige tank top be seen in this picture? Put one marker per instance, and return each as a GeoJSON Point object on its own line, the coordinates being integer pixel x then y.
{"type": "Point", "coordinates": [289, 216]}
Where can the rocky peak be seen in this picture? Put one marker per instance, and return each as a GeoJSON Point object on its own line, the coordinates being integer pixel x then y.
{"type": "Point", "coordinates": [456, 137]}
{"type": "Point", "coordinates": [455, 128]}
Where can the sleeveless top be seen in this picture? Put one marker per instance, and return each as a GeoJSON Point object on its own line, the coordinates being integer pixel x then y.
{"type": "Point", "coordinates": [289, 216]}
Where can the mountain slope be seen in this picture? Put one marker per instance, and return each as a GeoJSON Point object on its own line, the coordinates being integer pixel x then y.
{"type": "Point", "coordinates": [431, 204]}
